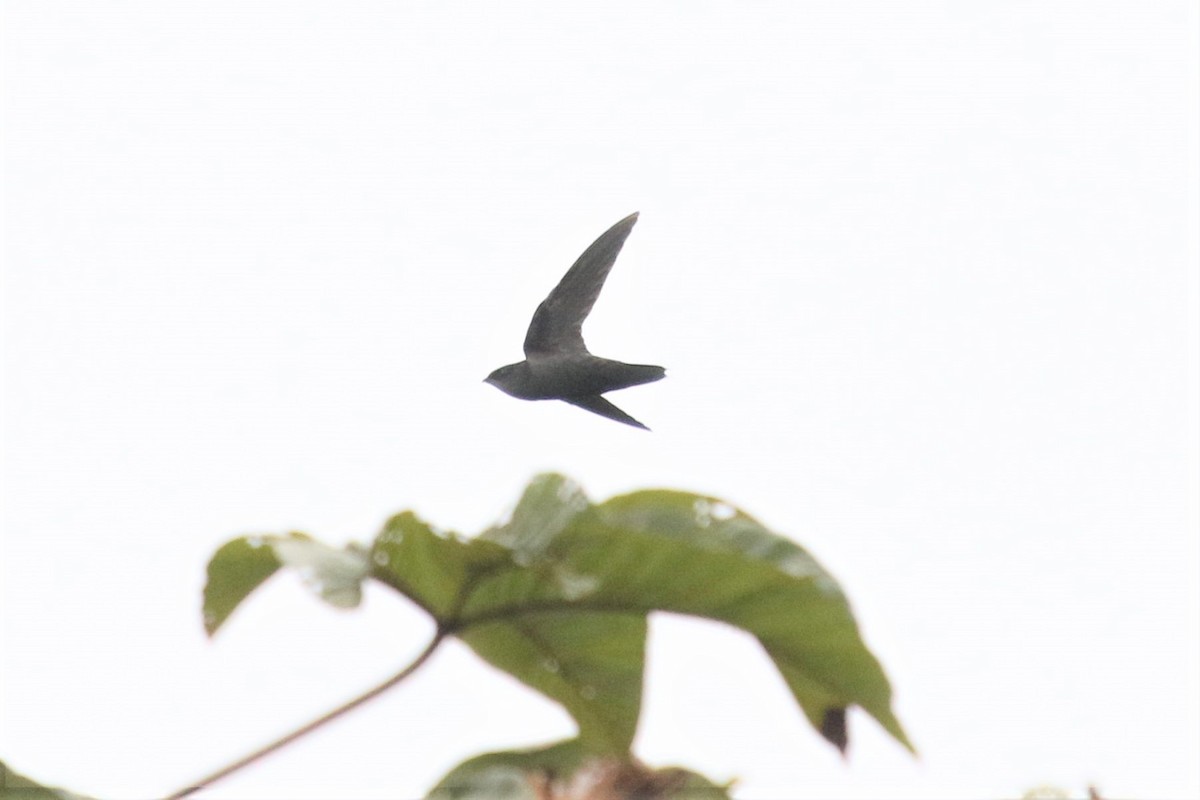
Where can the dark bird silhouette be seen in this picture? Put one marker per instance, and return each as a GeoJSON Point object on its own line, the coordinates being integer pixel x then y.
{"type": "Point", "coordinates": [557, 363]}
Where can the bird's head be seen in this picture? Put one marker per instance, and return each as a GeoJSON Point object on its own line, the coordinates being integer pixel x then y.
{"type": "Point", "coordinates": [508, 378]}
{"type": "Point", "coordinates": [498, 375]}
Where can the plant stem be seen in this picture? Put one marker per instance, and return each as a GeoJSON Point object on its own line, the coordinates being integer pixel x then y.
{"type": "Point", "coordinates": [308, 728]}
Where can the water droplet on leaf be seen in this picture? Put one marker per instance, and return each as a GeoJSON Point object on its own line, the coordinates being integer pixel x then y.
{"type": "Point", "coordinates": [722, 511]}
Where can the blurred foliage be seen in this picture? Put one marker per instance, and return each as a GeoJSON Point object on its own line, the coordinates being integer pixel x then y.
{"type": "Point", "coordinates": [17, 787]}
{"type": "Point", "coordinates": [562, 771]}
{"type": "Point", "coordinates": [558, 597]}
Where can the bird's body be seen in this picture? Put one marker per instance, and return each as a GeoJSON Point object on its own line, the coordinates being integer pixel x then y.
{"type": "Point", "coordinates": [557, 363]}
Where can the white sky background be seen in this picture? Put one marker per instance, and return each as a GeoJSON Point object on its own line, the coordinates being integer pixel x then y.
{"type": "Point", "coordinates": [923, 276]}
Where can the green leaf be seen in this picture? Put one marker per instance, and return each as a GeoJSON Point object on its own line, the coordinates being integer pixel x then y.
{"type": "Point", "coordinates": [235, 570]}
{"type": "Point", "coordinates": [508, 775]}
{"type": "Point", "coordinates": [547, 506]}
{"type": "Point", "coordinates": [566, 770]}
{"type": "Point", "coordinates": [433, 570]}
{"type": "Point", "coordinates": [689, 554]}
{"type": "Point", "coordinates": [590, 663]}
{"type": "Point", "coordinates": [14, 786]}
{"type": "Point", "coordinates": [558, 598]}
{"type": "Point", "coordinates": [772, 588]}
{"type": "Point", "coordinates": [242, 565]}
{"type": "Point", "coordinates": [335, 575]}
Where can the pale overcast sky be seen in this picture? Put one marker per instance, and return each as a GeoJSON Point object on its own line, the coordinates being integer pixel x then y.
{"type": "Point", "coordinates": [923, 276]}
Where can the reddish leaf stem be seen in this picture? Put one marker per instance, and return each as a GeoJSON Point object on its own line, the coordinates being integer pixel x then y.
{"type": "Point", "coordinates": [308, 728]}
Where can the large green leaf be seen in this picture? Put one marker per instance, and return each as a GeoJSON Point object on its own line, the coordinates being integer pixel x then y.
{"type": "Point", "coordinates": [558, 597]}
{"type": "Point", "coordinates": [591, 663]}
{"type": "Point", "coordinates": [672, 551]}
{"type": "Point", "coordinates": [776, 590]}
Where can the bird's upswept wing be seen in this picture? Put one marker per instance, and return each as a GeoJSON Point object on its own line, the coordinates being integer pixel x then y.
{"type": "Point", "coordinates": [557, 324]}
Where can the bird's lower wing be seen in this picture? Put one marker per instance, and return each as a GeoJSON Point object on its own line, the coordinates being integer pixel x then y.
{"type": "Point", "coordinates": [598, 405]}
